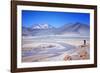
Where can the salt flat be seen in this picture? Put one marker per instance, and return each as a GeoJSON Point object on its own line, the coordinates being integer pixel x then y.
{"type": "Point", "coordinates": [54, 48]}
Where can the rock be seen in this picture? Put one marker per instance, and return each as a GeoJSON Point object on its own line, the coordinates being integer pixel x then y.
{"type": "Point", "coordinates": [83, 54]}
{"type": "Point", "coordinates": [67, 57]}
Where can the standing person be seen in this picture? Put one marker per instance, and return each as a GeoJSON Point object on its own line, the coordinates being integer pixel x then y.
{"type": "Point", "coordinates": [84, 42]}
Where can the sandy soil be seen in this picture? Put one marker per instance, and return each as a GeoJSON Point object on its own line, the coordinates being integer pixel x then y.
{"type": "Point", "coordinates": [54, 50]}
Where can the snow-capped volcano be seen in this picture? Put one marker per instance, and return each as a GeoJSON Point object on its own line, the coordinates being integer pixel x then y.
{"type": "Point", "coordinates": [42, 26]}
{"type": "Point", "coordinates": [75, 29]}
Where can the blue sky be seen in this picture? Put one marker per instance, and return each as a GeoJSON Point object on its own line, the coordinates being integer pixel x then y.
{"type": "Point", "coordinates": [56, 19]}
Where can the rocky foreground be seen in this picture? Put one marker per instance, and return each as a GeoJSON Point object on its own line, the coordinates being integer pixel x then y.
{"type": "Point", "coordinates": [55, 52]}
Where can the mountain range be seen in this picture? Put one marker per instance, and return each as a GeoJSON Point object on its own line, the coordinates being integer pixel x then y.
{"type": "Point", "coordinates": [73, 29]}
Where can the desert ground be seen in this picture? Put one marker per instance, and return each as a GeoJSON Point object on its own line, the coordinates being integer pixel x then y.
{"type": "Point", "coordinates": [51, 48]}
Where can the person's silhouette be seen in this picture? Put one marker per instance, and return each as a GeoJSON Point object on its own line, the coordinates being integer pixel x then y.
{"type": "Point", "coordinates": [84, 42]}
